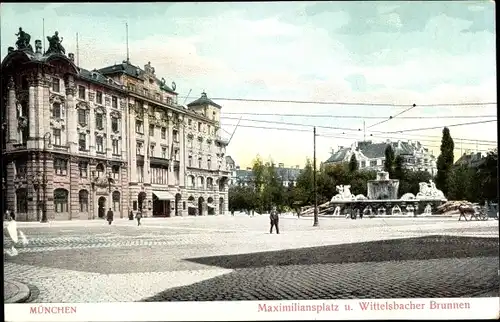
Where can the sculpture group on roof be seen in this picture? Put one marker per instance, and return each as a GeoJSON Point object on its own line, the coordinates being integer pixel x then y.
{"type": "Point", "coordinates": [23, 40]}
{"type": "Point", "coordinates": [55, 46]}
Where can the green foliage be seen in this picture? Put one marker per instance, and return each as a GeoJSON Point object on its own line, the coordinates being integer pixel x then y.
{"type": "Point", "coordinates": [399, 170]}
{"type": "Point", "coordinates": [445, 161]}
{"type": "Point", "coordinates": [389, 160]}
{"type": "Point", "coordinates": [353, 164]}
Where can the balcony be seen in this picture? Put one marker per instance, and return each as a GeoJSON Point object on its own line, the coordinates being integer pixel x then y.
{"type": "Point", "coordinates": [151, 96]}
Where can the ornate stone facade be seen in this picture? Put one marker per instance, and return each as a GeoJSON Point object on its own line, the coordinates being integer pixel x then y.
{"type": "Point", "coordinates": [78, 142]}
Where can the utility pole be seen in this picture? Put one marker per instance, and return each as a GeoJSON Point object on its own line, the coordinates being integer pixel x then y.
{"type": "Point", "coordinates": [316, 223]}
{"type": "Point", "coordinates": [364, 131]}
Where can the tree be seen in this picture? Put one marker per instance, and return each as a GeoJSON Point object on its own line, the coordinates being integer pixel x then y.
{"type": "Point", "coordinates": [304, 189]}
{"type": "Point", "coordinates": [353, 164]}
{"type": "Point", "coordinates": [445, 161]}
{"type": "Point", "coordinates": [273, 192]}
{"type": "Point", "coordinates": [389, 160]}
{"type": "Point", "coordinates": [399, 170]}
{"type": "Point", "coordinates": [460, 183]}
{"type": "Point", "coordinates": [487, 174]}
{"type": "Point", "coordinates": [258, 171]}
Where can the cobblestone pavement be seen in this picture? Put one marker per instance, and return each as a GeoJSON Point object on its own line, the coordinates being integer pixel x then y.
{"type": "Point", "coordinates": [89, 261]}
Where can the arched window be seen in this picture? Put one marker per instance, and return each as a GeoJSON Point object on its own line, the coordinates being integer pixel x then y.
{"type": "Point", "coordinates": [191, 182]}
{"type": "Point", "coordinates": [210, 183]}
{"type": "Point", "coordinates": [116, 201]}
{"type": "Point", "coordinates": [56, 110]}
{"type": "Point", "coordinates": [83, 198]}
{"type": "Point", "coordinates": [100, 170]}
{"type": "Point", "coordinates": [22, 200]}
{"type": "Point", "coordinates": [201, 182]}
{"type": "Point", "coordinates": [61, 200]}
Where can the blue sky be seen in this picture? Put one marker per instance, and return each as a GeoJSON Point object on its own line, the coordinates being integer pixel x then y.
{"type": "Point", "coordinates": [399, 53]}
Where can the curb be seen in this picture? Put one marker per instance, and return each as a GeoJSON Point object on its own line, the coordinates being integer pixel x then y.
{"type": "Point", "coordinates": [21, 296]}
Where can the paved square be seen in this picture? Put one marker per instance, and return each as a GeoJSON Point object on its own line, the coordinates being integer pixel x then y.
{"type": "Point", "coordinates": [235, 258]}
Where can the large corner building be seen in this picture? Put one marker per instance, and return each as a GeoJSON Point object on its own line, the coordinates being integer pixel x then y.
{"type": "Point", "coordinates": [78, 142]}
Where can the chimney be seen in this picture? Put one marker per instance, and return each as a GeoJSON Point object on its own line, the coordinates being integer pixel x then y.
{"type": "Point", "coordinates": [38, 46]}
{"type": "Point", "coordinates": [10, 49]}
{"type": "Point", "coordinates": [237, 167]}
{"type": "Point", "coordinates": [281, 165]}
{"type": "Point", "coordinates": [71, 57]}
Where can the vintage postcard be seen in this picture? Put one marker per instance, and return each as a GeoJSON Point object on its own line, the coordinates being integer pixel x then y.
{"type": "Point", "coordinates": [249, 161]}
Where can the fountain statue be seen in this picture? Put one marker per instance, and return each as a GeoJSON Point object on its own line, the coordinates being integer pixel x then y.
{"type": "Point", "coordinates": [344, 193]}
{"type": "Point", "coordinates": [336, 212]}
{"type": "Point", "coordinates": [428, 210]}
{"type": "Point", "coordinates": [429, 191]}
{"type": "Point", "coordinates": [396, 210]}
{"type": "Point", "coordinates": [408, 196]}
{"type": "Point", "coordinates": [383, 188]}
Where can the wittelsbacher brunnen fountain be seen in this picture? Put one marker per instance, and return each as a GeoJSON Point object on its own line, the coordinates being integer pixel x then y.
{"type": "Point", "coordinates": [383, 199]}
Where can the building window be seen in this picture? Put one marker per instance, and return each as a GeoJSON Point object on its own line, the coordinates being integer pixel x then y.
{"type": "Point", "coordinates": [56, 111]}
{"type": "Point", "coordinates": [139, 148]}
{"type": "Point", "coordinates": [60, 166]}
{"type": "Point", "coordinates": [152, 151]}
{"type": "Point", "coordinates": [363, 164]}
{"type": "Point", "coordinates": [81, 92]}
{"type": "Point", "coordinates": [114, 124]}
{"type": "Point", "coordinates": [213, 116]}
{"type": "Point", "coordinates": [140, 173]}
{"type": "Point", "coordinates": [99, 121]}
{"type": "Point", "coordinates": [57, 136]}
{"type": "Point", "coordinates": [114, 143]}
{"type": "Point", "coordinates": [163, 153]}
{"type": "Point", "coordinates": [191, 182]}
{"type": "Point", "coordinates": [82, 142]}
{"type": "Point", "coordinates": [190, 161]}
{"type": "Point", "coordinates": [98, 97]}
{"type": "Point", "coordinates": [22, 200]}
{"type": "Point", "coordinates": [151, 130]}
{"type": "Point", "coordinates": [139, 127]}
{"type": "Point", "coordinates": [190, 123]}
{"type": "Point", "coordinates": [199, 126]}
{"type": "Point", "coordinates": [83, 198]}
{"type": "Point", "coordinates": [175, 135]}
{"type": "Point", "coordinates": [56, 85]}
{"type": "Point", "coordinates": [190, 143]}
{"type": "Point", "coordinates": [116, 201]}
{"type": "Point", "coordinates": [169, 101]}
{"type": "Point", "coordinates": [100, 144]}
{"type": "Point", "coordinates": [199, 162]}
{"type": "Point", "coordinates": [163, 133]}
{"type": "Point", "coordinates": [100, 170]}
{"type": "Point", "coordinates": [176, 155]}
{"type": "Point", "coordinates": [373, 163]}
{"type": "Point", "coordinates": [83, 167]}
{"type": "Point", "coordinates": [82, 117]}
{"type": "Point", "coordinates": [209, 163]}
{"type": "Point", "coordinates": [116, 172]}
{"type": "Point", "coordinates": [60, 200]}
{"type": "Point", "coordinates": [114, 102]}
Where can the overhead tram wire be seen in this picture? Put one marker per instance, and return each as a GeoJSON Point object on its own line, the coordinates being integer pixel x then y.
{"type": "Point", "coordinates": [358, 130]}
{"type": "Point", "coordinates": [438, 127]}
{"type": "Point", "coordinates": [392, 117]}
{"type": "Point", "coordinates": [319, 135]}
{"type": "Point", "coordinates": [341, 103]}
{"type": "Point", "coordinates": [356, 116]}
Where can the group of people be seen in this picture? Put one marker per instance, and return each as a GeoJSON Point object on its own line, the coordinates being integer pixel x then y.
{"type": "Point", "coordinates": [138, 216]}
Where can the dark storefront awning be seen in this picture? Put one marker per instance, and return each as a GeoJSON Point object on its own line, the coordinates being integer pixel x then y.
{"type": "Point", "coordinates": [163, 195]}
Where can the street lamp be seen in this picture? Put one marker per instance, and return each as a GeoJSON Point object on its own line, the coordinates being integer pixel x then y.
{"type": "Point", "coordinates": [46, 138]}
{"type": "Point", "coordinates": [37, 184]}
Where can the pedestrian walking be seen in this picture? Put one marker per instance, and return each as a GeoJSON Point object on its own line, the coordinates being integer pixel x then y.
{"type": "Point", "coordinates": [109, 216]}
{"type": "Point", "coordinates": [138, 216]}
{"type": "Point", "coordinates": [131, 215]}
{"type": "Point", "coordinates": [16, 236]}
{"type": "Point", "coordinates": [274, 217]}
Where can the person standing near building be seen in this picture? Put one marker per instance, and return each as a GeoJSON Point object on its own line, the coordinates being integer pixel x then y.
{"type": "Point", "coordinates": [138, 216]}
{"type": "Point", "coordinates": [109, 216]}
{"type": "Point", "coordinates": [274, 217]}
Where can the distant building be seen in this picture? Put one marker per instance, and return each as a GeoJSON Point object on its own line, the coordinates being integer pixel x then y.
{"type": "Point", "coordinates": [371, 156]}
{"type": "Point", "coordinates": [471, 160]}
{"type": "Point", "coordinates": [244, 177]}
{"type": "Point", "coordinates": [231, 166]}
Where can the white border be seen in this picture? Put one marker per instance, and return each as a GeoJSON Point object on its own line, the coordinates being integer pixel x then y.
{"type": "Point", "coordinates": [472, 308]}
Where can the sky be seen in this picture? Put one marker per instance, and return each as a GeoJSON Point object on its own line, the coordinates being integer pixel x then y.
{"type": "Point", "coordinates": [379, 57]}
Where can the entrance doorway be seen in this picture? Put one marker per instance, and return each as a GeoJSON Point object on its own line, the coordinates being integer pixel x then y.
{"type": "Point", "coordinates": [101, 204]}
{"type": "Point", "coordinates": [210, 206]}
{"type": "Point", "coordinates": [221, 206]}
{"type": "Point", "coordinates": [200, 206]}
{"type": "Point", "coordinates": [140, 199]}
{"type": "Point", "coordinates": [191, 206]}
{"type": "Point", "coordinates": [161, 208]}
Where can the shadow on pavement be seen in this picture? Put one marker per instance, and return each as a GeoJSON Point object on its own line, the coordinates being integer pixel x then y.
{"type": "Point", "coordinates": [427, 267]}
{"type": "Point", "coordinates": [429, 247]}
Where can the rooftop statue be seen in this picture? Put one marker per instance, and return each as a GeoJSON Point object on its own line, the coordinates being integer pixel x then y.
{"type": "Point", "coordinates": [23, 40]}
{"type": "Point", "coordinates": [55, 46]}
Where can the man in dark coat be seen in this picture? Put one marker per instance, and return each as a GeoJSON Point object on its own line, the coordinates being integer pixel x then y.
{"type": "Point", "coordinates": [273, 216]}
{"type": "Point", "coordinates": [109, 216]}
